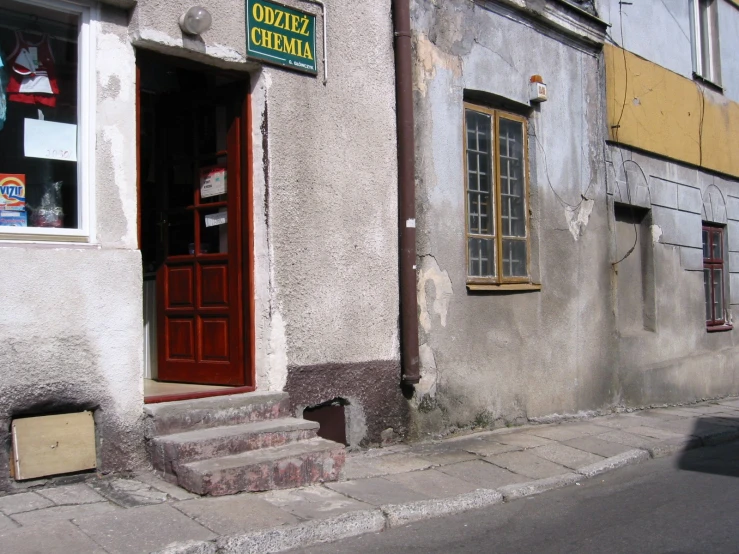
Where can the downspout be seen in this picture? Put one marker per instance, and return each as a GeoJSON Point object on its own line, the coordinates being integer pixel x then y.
{"type": "Point", "coordinates": [406, 193]}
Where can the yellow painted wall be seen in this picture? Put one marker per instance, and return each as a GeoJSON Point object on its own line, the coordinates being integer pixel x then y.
{"type": "Point", "coordinates": [668, 114]}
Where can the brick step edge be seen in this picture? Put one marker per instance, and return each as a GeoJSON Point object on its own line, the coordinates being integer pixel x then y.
{"type": "Point", "coordinates": [168, 418]}
{"type": "Point", "coordinates": [168, 452]}
{"type": "Point", "coordinates": [289, 466]}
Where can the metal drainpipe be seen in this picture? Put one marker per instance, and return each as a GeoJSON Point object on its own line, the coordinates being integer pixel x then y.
{"type": "Point", "coordinates": [406, 193]}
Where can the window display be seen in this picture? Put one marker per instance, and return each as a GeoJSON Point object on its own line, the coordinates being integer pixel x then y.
{"type": "Point", "coordinates": [38, 117]}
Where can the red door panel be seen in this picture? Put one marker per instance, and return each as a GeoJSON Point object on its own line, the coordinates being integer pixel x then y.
{"type": "Point", "coordinates": [214, 285]}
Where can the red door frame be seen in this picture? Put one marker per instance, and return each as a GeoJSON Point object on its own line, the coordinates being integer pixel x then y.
{"type": "Point", "coordinates": [247, 226]}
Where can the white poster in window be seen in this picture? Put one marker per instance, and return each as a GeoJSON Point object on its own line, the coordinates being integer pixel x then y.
{"type": "Point", "coordinates": [212, 181]}
{"type": "Point", "coordinates": [211, 220]}
{"type": "Point", "coordinates": [50, 140]}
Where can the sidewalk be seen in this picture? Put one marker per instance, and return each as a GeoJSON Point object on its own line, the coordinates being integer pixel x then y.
{"type": "Point", "coordinates": [382, 488]}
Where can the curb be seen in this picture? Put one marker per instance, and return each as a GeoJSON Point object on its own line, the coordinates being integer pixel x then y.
{"type": "Point", "coordinates": [402, 514]}
{"type": "Point", "coordinates": [614, 462]}
{"type": "Point", "coordinates": [391, 516]}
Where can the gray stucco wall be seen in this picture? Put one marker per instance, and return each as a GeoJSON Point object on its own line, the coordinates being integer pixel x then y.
{"type": "Point", "coordinates": [496, 358]}
{"type": "Point", "coordinates": [325, 203]}
{"type": "Point", "coordinates": [72, 326]}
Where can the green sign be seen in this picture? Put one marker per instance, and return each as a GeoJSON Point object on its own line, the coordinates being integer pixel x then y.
{"type": "Point", "coordinates": [280, 35]}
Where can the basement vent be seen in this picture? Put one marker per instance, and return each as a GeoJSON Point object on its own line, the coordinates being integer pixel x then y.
{"type": "Point", "coordinates": [51, 445]}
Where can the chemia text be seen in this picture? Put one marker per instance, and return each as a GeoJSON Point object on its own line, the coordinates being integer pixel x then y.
{"type": "Point", "coordinates": [277, 41]}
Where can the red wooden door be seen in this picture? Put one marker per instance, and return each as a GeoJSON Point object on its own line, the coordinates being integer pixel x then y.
{"type": "Point", "coordinates": [200, 296]}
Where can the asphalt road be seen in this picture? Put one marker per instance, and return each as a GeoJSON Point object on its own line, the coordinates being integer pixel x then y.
{"type": "Point", "coordinates": [682, 504]}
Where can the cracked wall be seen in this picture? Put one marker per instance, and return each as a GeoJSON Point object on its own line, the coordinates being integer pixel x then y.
{"type": "Point", "coordinates": [502, 358]}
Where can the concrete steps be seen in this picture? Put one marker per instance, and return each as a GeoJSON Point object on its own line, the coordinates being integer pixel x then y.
{"type": "Point", "coordinates": [245, 442]}
{"type": "Point", "coordinates": [282, 467]}
{"type": "Point", "coordinates": [168, 451]}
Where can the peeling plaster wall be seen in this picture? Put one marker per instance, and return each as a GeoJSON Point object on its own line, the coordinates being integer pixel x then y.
{"type": "Point", "coordinates": [325, 202]}
{"type": "Point", "coordinates": [494, 358]}
{"type": "Point", "coordinates": [73, 324]}
{"type": "Point", "coordinates": [491, 358]}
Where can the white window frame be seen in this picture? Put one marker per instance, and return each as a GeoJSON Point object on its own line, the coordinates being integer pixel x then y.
{"type": "Point", "coordinates": [86, 99]}
{"type": "Point", "coordinates": [711, 74]}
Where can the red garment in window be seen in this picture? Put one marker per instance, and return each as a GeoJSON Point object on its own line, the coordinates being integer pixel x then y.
{"type": "Point", "coordinates": [32, 72]}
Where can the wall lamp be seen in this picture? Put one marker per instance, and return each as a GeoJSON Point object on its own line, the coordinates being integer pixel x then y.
{"type": "Point", "coordinates": [195, 21]}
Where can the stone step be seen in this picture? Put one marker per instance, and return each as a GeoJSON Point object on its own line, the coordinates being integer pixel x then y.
{"type": "Point", "coordinates": [203, 413]}
{"type": "Point", "coordinates": [170, 451]}
{"type": "Point", "coordinates": [282, 467]}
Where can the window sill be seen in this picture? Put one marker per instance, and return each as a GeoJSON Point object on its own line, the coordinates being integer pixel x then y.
{"type": "Point", "coordinates": [710, 84]}
{"type": "Point", "coordinates": [719, 328]}
{"type": "Point", "coordinates": [507, 287]}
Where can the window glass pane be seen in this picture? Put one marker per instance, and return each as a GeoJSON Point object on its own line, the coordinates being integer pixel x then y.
{"type": "Point", "coordinates": [716, 245]}
{"type": "Point", "coordinates": [704, 23]}
{"type": "Point", "coordinates": [481, 254]}
{"type": "Point", "coordinates": [718, 295]}
{"type": "Point", "coordinates": [512, 184]}
{"type": "Point", "coordinates": [480, 212]}
{"type": "Point", "coordinates": [213, 231]}
{"type": "Point", "coordinates": [38, 88]}
{"type": "Point", "coordinates": [514, 258]}
{"type": "Point", "coordinates": [707, 292]}
{"type": "Point", "coordinates": [706, 246]}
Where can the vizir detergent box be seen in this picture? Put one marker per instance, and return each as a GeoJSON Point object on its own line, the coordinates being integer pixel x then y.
{"type": "Point", "coordinates": [12, 192]}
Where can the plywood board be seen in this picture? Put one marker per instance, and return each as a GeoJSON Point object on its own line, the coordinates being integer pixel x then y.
{"type": "Point", "coordinates": [50, 445]}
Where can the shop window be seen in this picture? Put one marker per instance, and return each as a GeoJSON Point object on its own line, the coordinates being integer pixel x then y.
{"type": "Point", "coordinates": [496, 197]}
{"type": "Point", "coordinates": [704, 19]}
{"type": "Point", "coordinates": [714, 275]}
{"type": "Point", "coordinates": [44, 121]}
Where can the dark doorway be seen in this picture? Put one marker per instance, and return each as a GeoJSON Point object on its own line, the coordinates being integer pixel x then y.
{"type": "Point", "coordinates": [193, 178]}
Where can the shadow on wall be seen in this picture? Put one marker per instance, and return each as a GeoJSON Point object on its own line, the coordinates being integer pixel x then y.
{"type": "Point", "coordinates": [713, 431]}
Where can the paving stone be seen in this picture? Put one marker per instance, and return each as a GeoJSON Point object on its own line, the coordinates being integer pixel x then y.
{"type": "Point", "coordinates": [384, 465]}
{"type": "Point", "coordinates": [521, 439]}
{"type": "Point", "coordinates": [567, 431]}
{"type": "Point", "coordinates": [660, 415]}
{"type": "Point", "coordinates": [130, 493]}
{"type": "Point", "coordinates": [432, 483]}
{"type": "Point", "coordinates": [142, 529]}
{"type": "Point", "coordinates": [238, 513]}
{"type": "Point", "coordinates": [657, 433]}
{"type": "Point", "coordinates": [683, 426]}
{"type": "Point", "coordinates": [527, 464]}
{"type": "Point", "coordinates": [151, 479]}
{"type": "Point", "coordinates": [7, 524]}
{"type": "Point", "coordinates": [71, 494]}
{"type": "Point", "coordinates": [377, 491]}
{"type": "Point", "coordinates": [313, 502]}
{"type": "Point", "coordinates": [60, 536]}
{"type": "Point", "coordinates": [55, 513]}
{"type": "Point", "coordinates": [677, 411]}
{"type": "Point", "coordinates": [482, 474]}
{"type": "Point", "coordinates": [623, 421]}
{"type": "Point", "coordinates": [622, 437]}
{"type": "Point", "coordinates": [446, 457]}
{"type": "Point", "coordinates": [704, 408]}
{"type": "Point", "coordinates": [490, 448]}
{"type": "Point", "coordinates": [23, 502]}
{"type": "Point", "coordinates": [566, 455]}
{"type": "Point", "coordinates": [596, 446]}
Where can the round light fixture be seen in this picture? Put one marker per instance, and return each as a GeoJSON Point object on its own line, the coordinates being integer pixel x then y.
{"type": "Point", "coordinates": [195, 21]}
